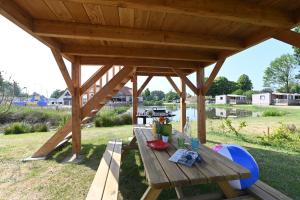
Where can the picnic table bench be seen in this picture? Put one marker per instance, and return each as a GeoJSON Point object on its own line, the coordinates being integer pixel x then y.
{"type": "Point", "coordinates": [214, 168]}
{"type": "Point", "coordinates": [162, 174]}
{"type": "Point", "coordinates": [106, 181]}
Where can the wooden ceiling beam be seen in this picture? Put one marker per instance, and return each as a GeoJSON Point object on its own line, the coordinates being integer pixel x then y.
{"type": "Point", "coordinates": [63, 69]}
{"type": "Point", "coordinates": [232, 10]}
{"type": "Point", "coordinates": [140, 90]}
{"type": "Point", "coordinates": [212, 76]}
{"type": "Point", "coordinates": [161, 70]}
{"type": "Point", "coordinates": [186, 80]}
{"type": "Point", "coordinates": [156, 74]}
{"type": "Point", "coordinates": [289, 37]}
{"type": "Point", "coordinates": [147, 53]}
{"type": "Point", "coordinates": [139, 62]}
{"type": "Point", "coordinates": [174, 85]}
{"type": "Point", "coordinates": [134, 35]}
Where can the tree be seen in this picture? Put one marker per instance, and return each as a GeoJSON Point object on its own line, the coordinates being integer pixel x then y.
{"type": "Point", "coordinates": [57, 93]}
{"type": "Point", "coordinates": [297, 50]}
{"type": "Point", "coordinates": [281, 72]}
{"type": "Point", "coordinates": [239, 92]}
{"type": "Point", "coordinates": [244, 83]}
{"type": "Point", "coordinates": [222, 85]}
{"type": "Point", "coordinates": [249, 93]}
{"type": "Point", "coordinates": [146, 95]}
{"type": "Point", "coordinates": [171, 96]}
{"type": "Point", "coordinates": [157, 95]}
{"type": "Point", "coordinates": [8, 88]}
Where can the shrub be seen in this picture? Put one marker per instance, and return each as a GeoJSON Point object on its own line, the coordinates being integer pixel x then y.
{"type": "Point", "coordinates": [109, 118]}
{"type": "Point", "coordinates": [17, 128]}
{"type": "Point", "coordinates": [273, 113]}
{"type": "Point", "coordinates": [40, 128]}
{"type": "Point", "coordinates": [285, 135]}
{"type": "Point", "coordinates": [120, 110]}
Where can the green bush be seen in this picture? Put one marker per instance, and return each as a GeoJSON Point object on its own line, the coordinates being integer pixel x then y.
{"type": "Point", "coordinates": [17, 128]}
{"type": "Point", "coordinates": [286, 136]}
{"type": "Point", "coordinates": [112, 117]}
{"type": "Point", "coordinates": [273, 113]}
{"type": "Point", "coordinates": [120, 110]}
{"type": "Point", "coordinates": [40, 128]}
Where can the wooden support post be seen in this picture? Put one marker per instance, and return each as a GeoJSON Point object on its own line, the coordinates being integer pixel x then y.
{"type": "Point", "coordinates": [94, 88]}
{"type": "Point", "coordinates": [100, 83]}
{"type": "Point", "coordinates": [107, 77]}
{"type": "Point", "coordinates": [134, 99]}
{"type": "Point", "coordinates": [182, 106]}
{"type": "Point", "coordinates": [88, 94]}
{"type": "Point", "coordinates": [113, 70]}
{"type": "Point", "coordinates": [201, 120]}
{"type": "Point", "coordinates": [139, 92]}
{"type": "Point", "coordinates": [76, 118]}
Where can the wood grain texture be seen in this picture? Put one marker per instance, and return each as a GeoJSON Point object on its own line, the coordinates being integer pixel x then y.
{"type": "Point", "coordinates": [76, 105]}
{"type": "Point", "coordinates": [201, 120]}
{"type": "Point", "coordinates": [106, 181]}
{"type": "Point", "coordinates": [140, 90]}
{"type": "Point", "coordinates": [233, 10]}
{"type": "Point", "coordinates": [122, 34]}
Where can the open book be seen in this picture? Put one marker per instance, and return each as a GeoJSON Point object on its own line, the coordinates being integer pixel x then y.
{"type": "Point", "coordinates": [185, 157]}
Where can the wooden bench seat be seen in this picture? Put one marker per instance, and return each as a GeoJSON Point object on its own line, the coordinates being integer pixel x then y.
{"type": "Point", "coordinates": [263, 191]}
{"type": "Point", "coordinates": [106, 182]}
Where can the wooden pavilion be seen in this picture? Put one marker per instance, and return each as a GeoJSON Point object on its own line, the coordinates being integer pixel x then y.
{"type": "Point", "coordinates": [171, 38]}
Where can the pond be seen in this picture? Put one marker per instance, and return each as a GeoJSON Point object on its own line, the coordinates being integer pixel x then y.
{"type": "Point", "coordinates": [211, 113]}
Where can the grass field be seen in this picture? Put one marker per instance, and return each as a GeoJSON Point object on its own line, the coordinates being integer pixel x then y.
{"type": "Point", "coordinates": [53, 179]}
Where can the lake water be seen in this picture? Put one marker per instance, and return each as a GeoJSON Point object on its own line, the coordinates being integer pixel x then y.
{"type": "Point", "coordinates": [211, 113]}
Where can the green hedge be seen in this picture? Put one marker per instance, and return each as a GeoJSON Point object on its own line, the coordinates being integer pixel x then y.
{"type": "Point", "coordinates": [273, 113]}
{"type": "Point", "coordinates": [19, 128]}
{"type": "Point", "coordinates": [113, 117]}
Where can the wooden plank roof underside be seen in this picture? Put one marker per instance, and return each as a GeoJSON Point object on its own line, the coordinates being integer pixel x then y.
{"type": "Point", "coordinates": [153, 35]}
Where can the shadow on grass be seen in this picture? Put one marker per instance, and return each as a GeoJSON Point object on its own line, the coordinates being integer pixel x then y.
{"type": "Point", "coordinates": [132, 182]}
{"type": "Point", "coordinates": [92, 154]}
{"type": "Point", "coordinates": [278, 169]}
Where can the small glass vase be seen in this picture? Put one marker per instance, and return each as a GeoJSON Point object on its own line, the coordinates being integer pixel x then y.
{"type": "Point", "coordinates": [165, 139]}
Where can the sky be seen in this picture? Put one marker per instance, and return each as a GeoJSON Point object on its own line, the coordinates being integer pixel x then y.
{"type": "Point", "coordinates": [31, 64]}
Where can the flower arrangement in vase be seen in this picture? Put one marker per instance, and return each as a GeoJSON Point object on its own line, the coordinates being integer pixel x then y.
{"type": "Point", "coordinates": [162, 129]}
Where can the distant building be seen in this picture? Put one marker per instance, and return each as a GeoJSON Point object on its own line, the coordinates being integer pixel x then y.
{"type": "Point", "coordinates": [230, 99]}
{"type": "Point", "coordinates": [37, 100]}
{"type": "Point", "coordinates": [52, 101]}
{"type": "Point", "coordinates": [276, 99]}
{"type": "Point", "coordinates": [123, 96]}
{"type": "Point", "coordinates": [65, 99]}
{"type": "Point", "coordinates": [263, 99]}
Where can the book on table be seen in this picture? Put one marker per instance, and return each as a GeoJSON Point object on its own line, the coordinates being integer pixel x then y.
{"type": "Point", "coordinates": [185, 157]}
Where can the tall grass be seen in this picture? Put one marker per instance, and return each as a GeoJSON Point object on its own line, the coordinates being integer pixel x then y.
{"type": "Point", "coordinates": [273, 113]}
{"type": "Point", "coordinates": [113, 117]}
{"type": "Point", "coordinates": [33, 115]}
{"type": "Point", "coordinates": [19, 128]}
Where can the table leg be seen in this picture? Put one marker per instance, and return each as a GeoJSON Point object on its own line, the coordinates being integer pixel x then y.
{"type": "Point", "coordinates": [227, 189]}
{"type": "Point", "coordinates": [151, 194]}
{"type": "Point", "coordinates": [132, 145]}
{"type": "Point", "coordinates": [179, 192]}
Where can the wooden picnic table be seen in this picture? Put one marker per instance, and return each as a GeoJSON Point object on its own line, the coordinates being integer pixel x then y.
{"type": "Point", "coordinates": [162, 173]}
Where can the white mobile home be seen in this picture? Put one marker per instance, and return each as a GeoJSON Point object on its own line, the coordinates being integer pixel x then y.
{"type": "Point", "coordinates": [283, 99]}
{"type": "Point", "coordinates": [263, 99]}
{"type": "Point", "coordinates": [230, 99]}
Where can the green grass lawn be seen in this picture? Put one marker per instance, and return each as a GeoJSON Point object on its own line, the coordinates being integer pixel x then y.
{"type": "Point", "coordinates": [53, 179]}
